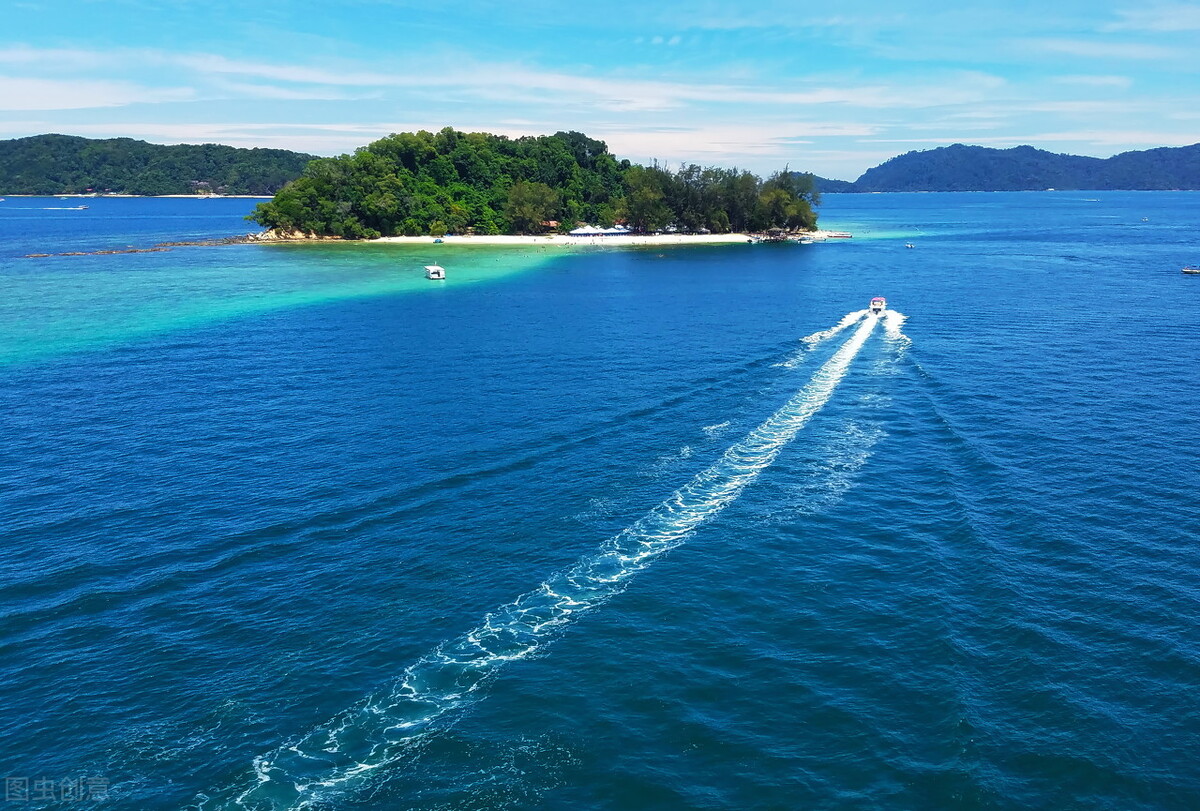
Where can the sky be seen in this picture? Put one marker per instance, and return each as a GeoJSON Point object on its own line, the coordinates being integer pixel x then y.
{"type": "Point", "coordinates": [832, 88]}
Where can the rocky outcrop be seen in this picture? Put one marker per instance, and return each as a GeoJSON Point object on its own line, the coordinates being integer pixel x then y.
{"type": "Point", "coordinates": [283, 235]}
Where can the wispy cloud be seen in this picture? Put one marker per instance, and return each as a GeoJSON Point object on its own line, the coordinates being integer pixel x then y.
{"type": "Point", "coordinates": [236, 89]}
{"type": "Point", "coordinates": [1140, 139]}
{"type": "Point", "coordinates": [1104, 49]}
{"type": "Point", "coordinates": [291, 73]}
{"type": "Point", "coordinates": [19, 93]}
{"type": "Point", "coordinates": [1159, 17]}
{"type": "Point", "coordinates": [495, 81]}
{"type": "Point", "coordinates": [1122, 82]}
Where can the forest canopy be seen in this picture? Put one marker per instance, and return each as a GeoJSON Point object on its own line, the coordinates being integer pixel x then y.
{"type": "Point", "coordinates": [69, 164]}
{"type": "Point", "coordinates": [410, 184]}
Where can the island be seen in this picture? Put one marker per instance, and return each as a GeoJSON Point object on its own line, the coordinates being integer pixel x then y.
{"type": "Point", "coordinates": [1022, 168]}
{"type": "Point", "coordinates": [69, 164]}
{"type": "Point", "coordinates": [482, 185]}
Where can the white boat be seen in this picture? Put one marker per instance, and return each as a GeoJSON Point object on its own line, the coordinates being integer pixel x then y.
{"type": "Point", "coordinates": [435, 272]}
{"type": "Point", "coordinates": [878, 304]}
{"type": "Point", "coordinates": [909, 245]}
{"type": "Point", "coordinates": [1191, 269]}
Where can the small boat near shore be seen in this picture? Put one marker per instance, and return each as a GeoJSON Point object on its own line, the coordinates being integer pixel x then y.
{"type": "Point", "coordinates": [435, 272]}
{"type": "Point", "coordinates": [878, 305]}
{"type": "Point", "coordinates": [1191, 269]}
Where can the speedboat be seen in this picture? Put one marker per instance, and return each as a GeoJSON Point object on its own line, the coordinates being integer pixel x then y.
{"type": "Point", "coordinates": [1192, 269]}
{"type": "Point", "coordinates": [435, 272]}
{"type": "Point", "coordinates": [878, 304]}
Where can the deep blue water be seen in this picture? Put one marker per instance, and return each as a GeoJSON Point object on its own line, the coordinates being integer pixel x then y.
{"type": "Point", "coordinates": [286, 525]}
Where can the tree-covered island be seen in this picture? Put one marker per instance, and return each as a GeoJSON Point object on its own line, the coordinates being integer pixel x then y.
{"type": "Point", "coordinates": [69, 164]}
{"type": "Point", "coordinates": [411, 184]}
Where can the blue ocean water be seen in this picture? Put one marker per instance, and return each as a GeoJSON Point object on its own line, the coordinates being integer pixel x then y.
{"type": "Point", "coordinates": [289, 526]}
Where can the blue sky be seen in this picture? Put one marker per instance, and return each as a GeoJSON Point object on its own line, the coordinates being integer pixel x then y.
{"type": "Point", "coordinates": [830, 88]}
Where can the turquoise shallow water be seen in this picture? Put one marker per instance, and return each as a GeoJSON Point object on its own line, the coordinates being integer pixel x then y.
{"type": "Point", "coordinates": [288, 526]}
{"type": "Point", "coordinates": [62, 304]}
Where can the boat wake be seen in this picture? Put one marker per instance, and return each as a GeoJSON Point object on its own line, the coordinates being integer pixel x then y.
{"type": "Point", "coordinates": [893, 323]}
{"type": "Point", "coordinates": [811, 342]}
{"type": "Point", "coordinates": [392, 724]}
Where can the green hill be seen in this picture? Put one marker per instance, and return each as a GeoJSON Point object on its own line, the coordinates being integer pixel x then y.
{"type": "Point", "coordinates": [977, 168]}
{"type": "Point", "coordinates": [827, 185]}
{"type": "Point", "coordinates": [67, 164]}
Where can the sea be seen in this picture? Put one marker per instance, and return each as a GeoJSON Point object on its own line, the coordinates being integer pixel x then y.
{"type": "Point", "coordinates": [292, 527]}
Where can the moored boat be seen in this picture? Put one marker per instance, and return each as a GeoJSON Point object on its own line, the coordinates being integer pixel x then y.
{"type": "Point", "coordinates": [435, 272]}
{"type": "Point", "coordinates": [878, 304]}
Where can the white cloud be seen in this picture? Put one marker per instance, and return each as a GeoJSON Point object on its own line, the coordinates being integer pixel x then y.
{"type": "Point", "coordinates": [251, 90]}
{"type": "Point", "coordinates": [50, 57]}
{"type": "Point", "coordinates": [454, 77]}
{"type": "Point", "coordinates": [762, 144]}
{"type": "Point", "coordinates": [296, 74]}
{"type": "Point", "coordinates": [1123, 140]}
{"type": "Point", "coordinates": [1105, 49]}
{"type": "Point", "coordinates": [1159, 17]}
{"type": "Point", "coordinates": [1095, 81]}
{"type": "Point", "coordinates": [19, 93]}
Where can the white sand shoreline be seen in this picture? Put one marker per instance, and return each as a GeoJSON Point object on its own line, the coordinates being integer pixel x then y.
{"type": "Point", "coordinates": [610, 241]}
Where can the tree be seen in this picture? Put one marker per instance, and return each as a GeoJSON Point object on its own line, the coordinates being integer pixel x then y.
{"type": "Point", "coordinates": [529, 205]}
{"type": "Point", "coordinates": [644, 206]}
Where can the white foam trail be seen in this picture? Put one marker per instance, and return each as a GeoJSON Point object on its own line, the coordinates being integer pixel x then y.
{"type": "Point", "coordinates": [433, 691]}
{"type": "Point", "coordinates": [893, 321]}
{"type": "Point", "coordinates": [811, 342]}
{"type": "Point", "coordinates": [824, 335]}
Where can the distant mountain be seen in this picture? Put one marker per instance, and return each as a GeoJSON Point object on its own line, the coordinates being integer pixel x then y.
{"type": "Point", "coordinates": [825, 184]}
{"type": "Point", "coordinates": [977, 168]}
{"type": "Point", "coordinates": [67, 164]}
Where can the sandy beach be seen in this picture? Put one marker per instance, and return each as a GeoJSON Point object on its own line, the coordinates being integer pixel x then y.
{"type": "Point", "coordinates": [612, 240]}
